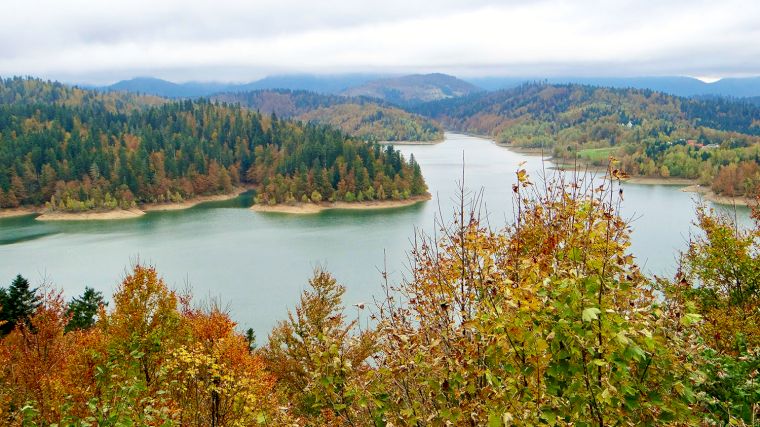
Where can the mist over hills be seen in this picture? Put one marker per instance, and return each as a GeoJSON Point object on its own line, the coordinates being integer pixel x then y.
{"type": "Point", "coordinates": [167, 89]}
{"type": "Point", "coordinates": [402, 90]}
{"type": "Point", "coordinates": [415, 88]}
{"type": "Point", "coordinates": [672, 85]}
{"type": "Point", "coordinates": [418, 88]}
{"type": "Point", "coordinates": [366, 118]}
{"type": "Point", "coordinates": [315, 83]}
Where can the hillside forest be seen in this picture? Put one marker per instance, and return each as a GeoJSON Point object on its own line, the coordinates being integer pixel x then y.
{"type": "Point", "coordinates": [714, 141]}
{"type": "Point", "coordinates": [75, 150]}
{"type": "Point", "coordinates": [364, 118]}
{"type": "Point", "coordinates": [709, 140]}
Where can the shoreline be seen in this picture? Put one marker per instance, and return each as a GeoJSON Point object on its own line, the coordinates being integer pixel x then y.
{"type": "Point", "coordinates": [15, 212]}
{"type": "Point", "coordinates": [91, 216]}
{"type": "Point", "coordinates": [643, 180]}
{"type": "Point", "coordinates": [437, 141]}
{"type": "Point", "coordinates": [187, 204]}
{"type": "Point", "coordinates": [476, 135]}
{"type": "Point", "coordinates": [584, 166]}
{"type": "Point", "coordinates": [538, 152]}
{"type": "Point", "coordinates": [710, 196]}
{"type": "Point", "coordinates": [312, 208]}
{"type": "Point", "coordinates": [689, 185]}
{"type": "Point", "coordinates": [118, 214]}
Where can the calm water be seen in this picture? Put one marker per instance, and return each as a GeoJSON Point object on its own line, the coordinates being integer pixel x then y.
{"type": "Point", "coordinates": [258, 263]}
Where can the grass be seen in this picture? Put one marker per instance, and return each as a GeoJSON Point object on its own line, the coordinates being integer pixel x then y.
{"type": "Point", "coordinates": [597, 154]}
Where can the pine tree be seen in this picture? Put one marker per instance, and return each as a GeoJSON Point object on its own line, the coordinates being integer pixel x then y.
{"type": "Point", "coordinates": [84, 309]}
{"type": "Point", "coordinates": [250, 337]}
{"type": "Point", "coordinates": [17, 304]}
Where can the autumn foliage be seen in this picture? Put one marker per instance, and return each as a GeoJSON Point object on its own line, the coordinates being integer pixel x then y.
{"type": "Point", "coordinates": [153, 360]}
{"type": "Point", "coordinates": [545, 322]}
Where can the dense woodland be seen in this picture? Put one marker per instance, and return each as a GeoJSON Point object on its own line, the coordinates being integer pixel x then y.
{"type": "Point", "coordinates": [407, 91]}
{"type": "Point", "coordinates": [716, 141]}
{"type": "Point", "coordinates": [31, 91]}
{"type": "Point", "coordinates": [546, 322]}
{"type": "Point", "coordinates": [77, 150]}
{"type": "Point", "coordinates": [365, 118]}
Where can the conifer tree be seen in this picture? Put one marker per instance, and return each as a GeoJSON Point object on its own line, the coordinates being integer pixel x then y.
{"type": "Point", "coordinates": [17, 304]}
{"type": "Point", "coordinates": [84, 309]}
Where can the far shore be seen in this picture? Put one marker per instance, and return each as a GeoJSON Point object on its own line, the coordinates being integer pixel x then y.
{"type": "Point", "coordinates": [585, 166]}
{"type": "Point", "coordinates": [14, 212]}
{"type": "Point", "coordinates": [528, 151]}
{"type": "Point", "coordinates": [689, 185]}
{"type": "Point", "coordinates": [313, 208]}
{"type": "Point", "coordinates": [186, 204]}
{"type": "Point", "coordinates": [437, 141]}
{"type": "Point", "coordinates": [116, 214]}
{"type": "Point", "coordinates": [90, 216]}
{"type": "Point", "coordinates": [709, 195]}
{"type": "Point", "coordinates": [646, 180]}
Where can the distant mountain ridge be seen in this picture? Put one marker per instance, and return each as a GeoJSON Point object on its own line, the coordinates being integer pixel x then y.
{"type": "Point", "coordinates": [403, 90]}
{"type": "Point", "coordinates": [415, 89]}
{"type": "Point", "coordinates": [672, 85]}
{"type": "Point", "coordinates": [418, 88]}
{"type": "Point", "coordinates": [533, 111]}
{"type": "Point", "coordinates": [328, 84]}
{"type": "Point", "coordinates": [166, 89]}
{"type": "Point", "coordinates": [366, 118]}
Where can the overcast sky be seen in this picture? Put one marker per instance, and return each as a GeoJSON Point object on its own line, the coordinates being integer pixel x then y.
{"type": "Point", "coordinates": [101, 41]}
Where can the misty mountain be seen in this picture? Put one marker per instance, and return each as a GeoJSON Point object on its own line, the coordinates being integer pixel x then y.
{"type": "Point", "coordinates": [330, 84]}
{"type": "Point", "coordinates": [167, 89]}
{"type": "Point", "coordinates": [537, 111]}
{"type": "Point", "coordinates": [366, 118]}
{"type": "Point", "coordinates": [673, 85]}
{"type": "Point", "coordinates": [414, 89]}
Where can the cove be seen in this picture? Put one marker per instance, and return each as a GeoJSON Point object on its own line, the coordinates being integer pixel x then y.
{"type": "Point", "coordinates": [257, 263]}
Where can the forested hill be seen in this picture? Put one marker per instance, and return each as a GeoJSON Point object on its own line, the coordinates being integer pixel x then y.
{"type": "Point", "coordinates": [315, 83]}
{"type": "Point", "coordinates": [576, 105]}
{"type": "Point", "coordinates": [714, 140]}
{"type": "Point", "coordinates": [414, 89]}
{"type": "Point", "coordinates": [90, 157]}
{"type": "Point", "coordinates": [371, 120]}
{"type": "Point", "coordinates": [738, 87]}
{"type": "Point", "coordinates": [166, 89]}
{"type": "Point", "coordinates": [28, 91]}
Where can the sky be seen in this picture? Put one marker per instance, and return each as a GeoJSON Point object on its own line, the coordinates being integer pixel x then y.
{"type": "Point", "coordinates": [99, 42]}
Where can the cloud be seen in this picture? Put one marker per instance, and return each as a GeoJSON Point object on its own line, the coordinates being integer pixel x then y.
{"type": "Point", "coordinates": [229, 40]}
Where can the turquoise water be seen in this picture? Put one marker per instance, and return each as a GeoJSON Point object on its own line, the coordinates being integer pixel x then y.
{"type": "Point", "coordinates": [258, 263]}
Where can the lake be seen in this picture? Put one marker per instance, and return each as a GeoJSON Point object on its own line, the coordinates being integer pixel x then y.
{"type": "Point", "coordinates": [258, 263]}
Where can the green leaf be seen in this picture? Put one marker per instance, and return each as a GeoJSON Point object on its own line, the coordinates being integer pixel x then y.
{"type": "Point", "coordinates": [494, 420]}
{"type": "Point", "coordinates": [690, 319]}
{"type": "Point", "coordinates": [574, 255]}
{"type": "Point", "coordinates": [621, 338]}
{"type": "Point", "coordinates": [590, 314]}
{"type": "Point", "coordinates": [637, 352]}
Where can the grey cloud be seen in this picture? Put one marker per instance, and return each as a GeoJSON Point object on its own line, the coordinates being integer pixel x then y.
{"type": "Point", "coordinates": [241, 40]}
